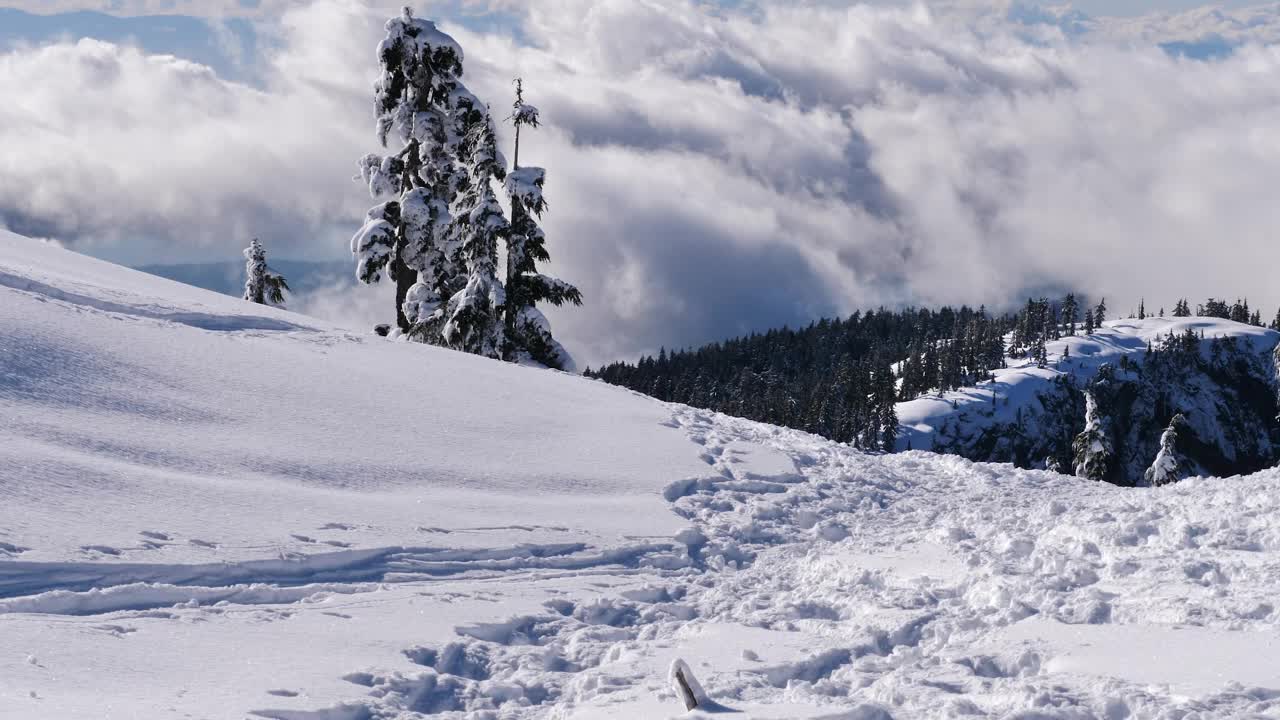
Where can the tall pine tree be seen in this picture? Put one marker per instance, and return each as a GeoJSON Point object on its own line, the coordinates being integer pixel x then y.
{"type": "Point", "coordinates": [473, 316]}
{"type": "Point", "coordinates": [408, 237]}
{"type": "Point", "coordinates": [438, 238]}
{"type": "Point", "coordinates": [1070, 313]}
{"type": "Point", "coordinates": [527, 334]}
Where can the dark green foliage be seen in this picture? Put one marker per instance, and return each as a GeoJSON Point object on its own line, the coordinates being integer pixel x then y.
{"type": "Point", "coordinates": [833, 378]}
{"type": "Point", "coordinates": [1214, 308]}
{"type": "Point", "coordinates": [1070, 313]}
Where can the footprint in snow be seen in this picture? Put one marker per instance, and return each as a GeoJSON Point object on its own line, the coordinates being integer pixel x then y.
{"type": "Point", "coordinates": [202, 543]}
{"type": "Point", "coordinates": [154, 535]}
{"type": "Point", "coordinates": [100, 549]}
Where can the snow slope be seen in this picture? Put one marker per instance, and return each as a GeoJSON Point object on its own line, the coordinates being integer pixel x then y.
{"type": "Point", "coordinates": [216, 510]}
{"type": "Point", "coordinates": [1016, 388]}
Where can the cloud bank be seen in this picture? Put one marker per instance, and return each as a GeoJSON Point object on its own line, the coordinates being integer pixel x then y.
{"type": "Point", "coordinates": [710, 172]}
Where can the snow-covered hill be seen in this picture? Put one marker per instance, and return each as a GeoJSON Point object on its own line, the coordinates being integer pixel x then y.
{"type": "Point", "coordinates": [217, 510]}
{"type": "Point", "coordinates": [1223, 376]}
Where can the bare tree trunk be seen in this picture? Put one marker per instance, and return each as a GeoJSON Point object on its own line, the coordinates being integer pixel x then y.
{"type": "Point", "coordinates": [406, 277]}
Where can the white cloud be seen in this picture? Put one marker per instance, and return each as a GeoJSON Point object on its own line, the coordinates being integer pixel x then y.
{"type": "Point", "coordinates": [709, 173]}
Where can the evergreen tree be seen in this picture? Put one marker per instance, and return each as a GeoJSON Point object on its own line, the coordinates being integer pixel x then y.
{"type": "Point", "coordinates": [1182, 309]}
{"type": "Point", "coordinates": [410, 237]}
{"type": "Point", "coordinates": [262, 285]}
{"type": "Point", "coordinates": [1092, 448]}
{"type": "Point", "coordinates": [527, 332]}
{"type": "Point", "coordinates": [886, 412]}
{"type": "Point", "coordinates": [1275, 324]}
{"type": "Point", "coordinates": [1070, 313]}
{"type": "Point", "coordinates": [1239, 312]}
{"type": "Point", "coordinates": [1100, 313]}
{"type": "Point", "coordinates": [1169, 465]}
{"type": "Point", "coordinates": [438, 239]}
{"type": "Point", "coordinates": [1214, 308]}
{"type": "Point", "coordinates": [473, 319]}
{"type": "Point", "coordinates": [1142, 309]}
{"type": "Point", "coordinates": [1088, 322]}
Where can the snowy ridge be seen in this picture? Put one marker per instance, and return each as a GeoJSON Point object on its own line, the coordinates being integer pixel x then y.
{"type": "Point", "coordinates": [1028, 399]}
{"type": "Point", "coordinates": [321, 538]}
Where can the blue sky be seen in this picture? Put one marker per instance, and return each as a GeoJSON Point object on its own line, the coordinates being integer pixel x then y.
{"type": "Point", "coordinates": [230, 45]}
{"type": "Point", "coordinates": [227, 45]}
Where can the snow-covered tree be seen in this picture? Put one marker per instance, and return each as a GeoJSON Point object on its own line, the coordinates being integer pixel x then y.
{"type": "Point", "coordinates": [1100, 313]}
{"type": "Point", "coordinates": [262, 285]}
{"type": "Point", "coordinates": [1093, 448]}
{"type": "Point", "coordinates": [1088, 322]}
{"type": "Point", "coordinates": [526, 330]}
{"type": "Point", "coordinates": [1169, 465]}
{"type": "Point", "coordinates": [439, 238]}
{"type": "Point", "coordinates": [1182, 308]}
{"type": "Point", "coordinates": [473, 316]}
{"type": "Point", "coordinates": [409, 237]}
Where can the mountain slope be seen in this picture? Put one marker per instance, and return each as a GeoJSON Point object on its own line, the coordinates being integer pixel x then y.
{"type": "Point", "coordinates": [218, 510]}
{"type": "Point", "coordinates": [1223, 376]}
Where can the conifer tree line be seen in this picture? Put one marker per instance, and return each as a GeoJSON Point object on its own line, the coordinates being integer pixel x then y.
{"type": "Point", "coordinates": [835, 378]}
{"type": "Point", "coordinates": [438, 235]}
{"type": "Point", "coordinates": [1238, 312]}
{"type": "Point", "coordinates": [841, 378]}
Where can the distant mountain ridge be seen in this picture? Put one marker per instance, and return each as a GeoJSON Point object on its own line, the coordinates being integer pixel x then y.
{"type": "Point", "coordinates": [228, 277]}
{"type": "Point", "coordinates": [1220, 376]}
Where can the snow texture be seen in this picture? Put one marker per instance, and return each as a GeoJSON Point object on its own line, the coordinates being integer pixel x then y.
{"type": "Point", "coordinates": [516, 543]}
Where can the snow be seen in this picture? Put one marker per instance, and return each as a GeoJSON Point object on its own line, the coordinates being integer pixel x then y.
{"type": "Point", "coordinates": [1016, 387]}
{"type": "Point", "coordinates": [525, 183]}
{"type": "Point", "coordinates": [222, 510]}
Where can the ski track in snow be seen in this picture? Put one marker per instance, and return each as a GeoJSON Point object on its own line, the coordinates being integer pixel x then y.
{"type": "Point", "coordinates": [877, 587]}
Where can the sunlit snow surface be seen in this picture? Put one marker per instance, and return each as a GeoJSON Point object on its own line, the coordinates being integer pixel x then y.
{"type": "Point", "coordinates": [211, 509]}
